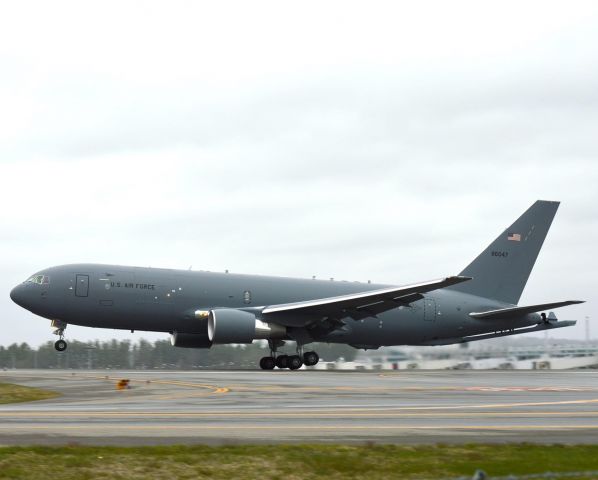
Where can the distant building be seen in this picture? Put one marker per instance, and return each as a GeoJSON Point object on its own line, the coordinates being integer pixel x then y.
{"type": "Point", "coordinates": [522, 354]}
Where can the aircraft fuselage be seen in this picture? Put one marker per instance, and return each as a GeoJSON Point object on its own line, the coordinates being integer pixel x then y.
{"type": "Point", "coordinates": [161, 300]}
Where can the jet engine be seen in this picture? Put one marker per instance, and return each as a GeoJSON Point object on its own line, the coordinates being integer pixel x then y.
{"type": "Point", "coordinates": [190, 340]}
{"type": "Point", "coordinates": [227, 325]}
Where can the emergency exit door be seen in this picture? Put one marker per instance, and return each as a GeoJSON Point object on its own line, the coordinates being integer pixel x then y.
{"type": "Point", "coordinates": [82, 285]}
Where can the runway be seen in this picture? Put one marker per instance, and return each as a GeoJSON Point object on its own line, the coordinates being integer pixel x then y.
{"type": "Point", "coordinates": [215, 407]}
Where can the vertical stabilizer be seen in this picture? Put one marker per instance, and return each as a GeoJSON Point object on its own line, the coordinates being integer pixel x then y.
{"type": "Point", "coordinates": [501, 271]}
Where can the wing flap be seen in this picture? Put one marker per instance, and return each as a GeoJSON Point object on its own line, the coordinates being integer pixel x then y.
{"type": "Point", "coordinates": [357, 305]}
{"type": "Point", "coordinates": [511, 312]}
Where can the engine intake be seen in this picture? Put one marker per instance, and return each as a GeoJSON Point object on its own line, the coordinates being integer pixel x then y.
{"type": "Point", "coordinates": [190, 340]}
{"type": "Point", "coordinates": [227, 325]}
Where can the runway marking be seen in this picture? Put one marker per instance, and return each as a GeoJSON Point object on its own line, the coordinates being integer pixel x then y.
{"type": "Point", "coordinates": [268, 414]}
{"type": "Point", "coordinates": [339, 427]}
{"type": "Point", "coordinates": [213, 388]}
{"type": "Point", "coordinates": [383, 389]}
{"type": "Point", "coordinates": [12, 410]}
{"type": "Point", "coordinates": [531, 389]}
{"type": "Point", "coordinates": [522, 404]}
{"type": "Point", "coordinates": [356, 389]}
{"type": "Point", "coordinates": [145, 381]}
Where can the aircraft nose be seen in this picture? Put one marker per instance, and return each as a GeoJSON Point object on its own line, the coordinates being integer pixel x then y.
{"type": "Point", "coordinates": [17, 295]}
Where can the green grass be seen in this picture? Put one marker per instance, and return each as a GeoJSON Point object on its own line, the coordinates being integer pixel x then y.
{"type": "Point", "coordinates": [10, 393]}
{"type": "Point", "coordinates": [291, 462]}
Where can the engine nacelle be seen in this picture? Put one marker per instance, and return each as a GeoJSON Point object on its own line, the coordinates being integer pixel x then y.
{"type": "Point", "coordinates": [190, 340]}
{"type": "Point", "coordinates": [227, 325]}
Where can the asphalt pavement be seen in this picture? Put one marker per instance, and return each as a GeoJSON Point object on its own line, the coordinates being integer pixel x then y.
{"type": "Point", "coordinates": [220, 407]}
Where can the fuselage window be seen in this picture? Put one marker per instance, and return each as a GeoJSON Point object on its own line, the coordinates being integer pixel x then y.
{"type": "Point", "coordinates": [246, 296]}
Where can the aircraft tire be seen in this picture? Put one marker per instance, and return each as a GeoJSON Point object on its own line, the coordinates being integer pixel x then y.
{"type": "Point", "coordinates": [282, 361]}
{"type": "Point", "coordinates": [310, 358]}
{"type": "Point", "coordinates": [267, 363]}
{"type": "Point", "coordinates": [294, 362]}
{"type": "Point", "coordinates": [60, 345]}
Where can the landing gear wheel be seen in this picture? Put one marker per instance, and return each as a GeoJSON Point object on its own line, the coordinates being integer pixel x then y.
{"type": "Point", "coordinates": [310, 358]}
{"type": "Point", "coordinates": [267, 363]}
{"type": "Point", "coordinates": [282, 361]}
{"type": "Point", "coordinates": [60, 345]}
{"type": "Point", "coordinates": [294, 362]}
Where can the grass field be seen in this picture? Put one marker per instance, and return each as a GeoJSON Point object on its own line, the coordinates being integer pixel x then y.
{"type": "Point", "coordinates": [290, 462]}
{"type": "Point", "coordinates": [10, 393]}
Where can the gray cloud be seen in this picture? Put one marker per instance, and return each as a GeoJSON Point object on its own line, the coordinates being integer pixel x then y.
{"type": "Point", "coordinates": [391, 144]}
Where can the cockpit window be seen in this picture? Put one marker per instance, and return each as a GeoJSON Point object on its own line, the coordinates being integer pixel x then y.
{"type": "Point", "coordinates": [39, 279]}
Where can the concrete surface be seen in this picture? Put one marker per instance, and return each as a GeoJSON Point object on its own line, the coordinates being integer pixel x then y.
{"type": "Point", "coordinates": [215, 407]}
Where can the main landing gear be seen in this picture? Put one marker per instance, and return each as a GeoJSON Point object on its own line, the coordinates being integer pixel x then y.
{"type": "Point", "coordinates": [292, 362]}
{"type": "Point", "coordinates": [60, 344]}
{"type": "Point", "coordinates": [267, 363]}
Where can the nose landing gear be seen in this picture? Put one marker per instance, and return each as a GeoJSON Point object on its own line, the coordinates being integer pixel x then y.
{"type": "Point", "coordinates": [60, 345]}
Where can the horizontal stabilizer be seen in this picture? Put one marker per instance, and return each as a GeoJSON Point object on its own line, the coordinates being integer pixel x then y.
{"type": "Point", "coordinates": [505, 333]}
{"type": "Point", "coordinates": [512, 312]}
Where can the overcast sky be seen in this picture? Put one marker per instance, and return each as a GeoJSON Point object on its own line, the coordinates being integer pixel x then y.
{"type": "Point", "coordinates": [389, 141]}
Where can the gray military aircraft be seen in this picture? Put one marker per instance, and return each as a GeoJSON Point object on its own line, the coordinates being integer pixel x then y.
{"type": "Point", "coordinates": [201, 309]}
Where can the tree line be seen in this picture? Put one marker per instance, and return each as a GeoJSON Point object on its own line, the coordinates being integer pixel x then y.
{"type": "Point", "coordinates": [124, 354]}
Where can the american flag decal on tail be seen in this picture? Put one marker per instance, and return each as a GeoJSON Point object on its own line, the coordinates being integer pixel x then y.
{"type": "Point", "coordinates": [514, 237]}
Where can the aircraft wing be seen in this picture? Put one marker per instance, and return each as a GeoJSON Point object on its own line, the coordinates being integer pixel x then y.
{"type": "Point", "coordinates": [511, 312]}
{"type": "Point", "coordinates": [355, 305]}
